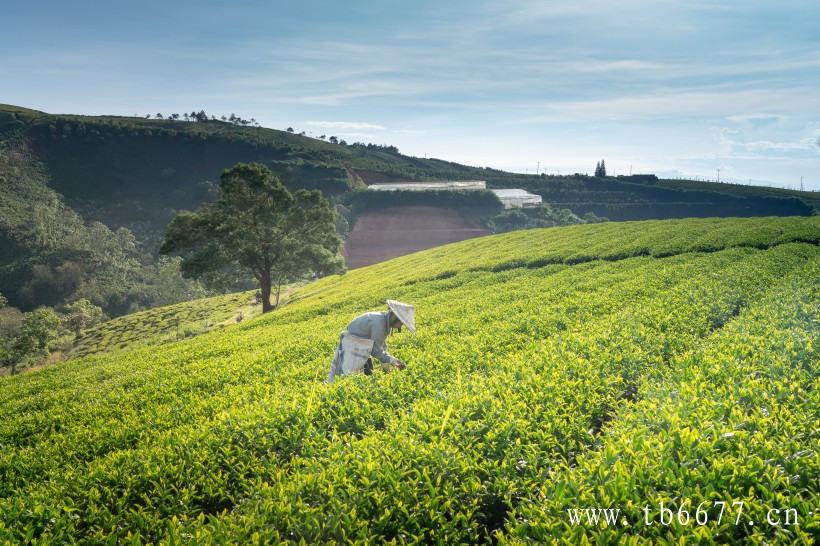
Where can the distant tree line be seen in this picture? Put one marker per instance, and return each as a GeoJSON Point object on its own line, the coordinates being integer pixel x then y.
{"type": "Point", "coordinates": [375, 147]}
{"type": "Point", "coordinates": [359, 145]}
{"type": "Point", "coordinates": [202, 116]}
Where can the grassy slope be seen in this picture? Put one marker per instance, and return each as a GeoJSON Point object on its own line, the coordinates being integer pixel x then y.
{"type": "Point", "coordinates": [529, 346]}
{"type": "Point", "coordinates": [170, 323]}
{"type": "Point", "coordinates": [166, 324]}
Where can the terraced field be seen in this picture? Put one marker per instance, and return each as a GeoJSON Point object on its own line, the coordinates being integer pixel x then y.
{"type": "Point", "coordinates": [598, 366]}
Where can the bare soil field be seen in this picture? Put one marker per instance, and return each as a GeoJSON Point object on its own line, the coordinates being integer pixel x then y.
{"type": "Point", "coordinates": [379, 236]}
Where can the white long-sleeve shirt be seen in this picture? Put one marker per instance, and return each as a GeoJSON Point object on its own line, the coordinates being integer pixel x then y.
{"type": "Point", "coordinates": [372, 326]}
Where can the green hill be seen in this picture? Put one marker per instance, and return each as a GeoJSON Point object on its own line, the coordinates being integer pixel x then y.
{"type": "Point", "coordinates": [59, 174]}
{"type": "Point", "coordinates": [604, 365]}
{"type": "Point", "coordinates": [809, 197]}
{"type": "Point", "coordinates": [136, 172]}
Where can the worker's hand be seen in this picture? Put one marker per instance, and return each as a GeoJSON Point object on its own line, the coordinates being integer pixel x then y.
{"type": "Point", "coordinates": [400, 365]}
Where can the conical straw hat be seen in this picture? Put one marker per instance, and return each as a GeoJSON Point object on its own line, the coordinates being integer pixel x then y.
{"type": "Point", "coordinates": [405, 312]}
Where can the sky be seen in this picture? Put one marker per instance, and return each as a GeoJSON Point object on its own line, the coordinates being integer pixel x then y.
{"type": "Point", "coordinates": [678, 88]}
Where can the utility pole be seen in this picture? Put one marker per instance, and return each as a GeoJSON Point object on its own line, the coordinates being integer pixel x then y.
{"type": "Point", "coordinates": [801, 183]}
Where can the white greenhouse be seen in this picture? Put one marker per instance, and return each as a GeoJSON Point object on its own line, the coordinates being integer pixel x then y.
{"type": "Point", "coordinates": [510, 198]}
{"type": "Point", "coordinates": [450, 185]}
{"type": "Point", "coordinates": [516, 199]}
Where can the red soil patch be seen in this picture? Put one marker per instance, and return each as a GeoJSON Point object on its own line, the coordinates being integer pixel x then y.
{"type": "Point", "coordinates": [379, 236]}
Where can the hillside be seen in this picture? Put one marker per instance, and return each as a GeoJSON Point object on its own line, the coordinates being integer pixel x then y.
{"type": "Point", "coordinates": [396, 231]}
{"type": "Point", "coordinates": [85, 200]}
{"type": "Point", "coordinates": [809, 197]}
{"type": "Point", "coordinates": [605, 365]}
{"type": "Point", "coordinates": [166, 324]}
{"type": "Point", "coordinates": [135, 172]}
{"type": "Point", "coordinates": [171, 323]}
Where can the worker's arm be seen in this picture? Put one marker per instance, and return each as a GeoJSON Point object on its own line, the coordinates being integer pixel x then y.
{"type": "Point", "coordinates": [380, 352]}
{"type": "Point", "coordinates": [378, 333]}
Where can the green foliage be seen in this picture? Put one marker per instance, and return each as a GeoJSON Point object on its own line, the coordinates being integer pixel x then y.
{"type": "Point", "coordinates": [509, 220]}
{"type": "Point", "coordinates": [342, 223]}
{"type": "Point", "coordinates": [161, 283]}
{"type": "Point", "coordinates": [257, 224]}
{"type": "Point", "coordinates": [725, 422]}
{"type": "Point", "coordinates": [535, 217]}
{"type": "Point", "coordinates": [49, 255]}
{"type": "Point", "coordinates": [39, 328]}
{"type": "Point", "coordinates": [32, 339]}
{"type": "Point", "coordinates": [614, 362]}
{"type": "Point", "coordinates": [81, 315]}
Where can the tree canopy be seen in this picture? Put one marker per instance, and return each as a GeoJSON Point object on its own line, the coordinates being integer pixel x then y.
{"type": "Point", "coordinates": [257, 224]}
{"type": "Point", "coordinates": [600, 169]}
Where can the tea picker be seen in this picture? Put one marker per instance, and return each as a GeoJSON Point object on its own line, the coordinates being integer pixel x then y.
{"type": "Point", "coordinates": [366, 337]}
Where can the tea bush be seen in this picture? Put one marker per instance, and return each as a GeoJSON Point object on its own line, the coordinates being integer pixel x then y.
{"type": "Point", "coordinates": [594, 365]}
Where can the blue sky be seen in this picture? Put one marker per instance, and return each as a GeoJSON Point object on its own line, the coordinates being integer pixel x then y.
{"type": "Point", "coordinates": [676, 88]}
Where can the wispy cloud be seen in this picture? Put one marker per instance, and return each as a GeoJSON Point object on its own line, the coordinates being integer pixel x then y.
{"type": "Point", "coordinates": [665, 104]}
{"type": "Point", "coordinates": [766, 145]}
{"type": "Point", "coordinates": [515, 80]}
{"type": "Point", "coordinates": [733, 145]}
{"type": "Point", "coordinates": [346, 125]}
{"type": "Point", "coordinates": [757, 118]}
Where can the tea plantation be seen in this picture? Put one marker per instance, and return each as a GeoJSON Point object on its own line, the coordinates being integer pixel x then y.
{"type": "Point", "coordinates": [166, 324]}
{"type": "Point", "coordinates": [616, 365]}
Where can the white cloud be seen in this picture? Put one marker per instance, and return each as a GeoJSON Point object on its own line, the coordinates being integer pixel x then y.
{"type": "Point", "coordinates": [767, 145]}
{"type": "Point", "coordinates": [676, 104]}
{"type": "Point", "coordinates": [757, 118]}
{"type": "Point", "coordinates": [734, 147]}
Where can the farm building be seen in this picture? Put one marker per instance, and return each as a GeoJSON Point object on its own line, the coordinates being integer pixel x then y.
{"type": "Point", "coordinates": [516, 199]}
{"type": "Point", "coordinates": [450, 185]}
{"type": "Point", "coordinates": [510, 198]}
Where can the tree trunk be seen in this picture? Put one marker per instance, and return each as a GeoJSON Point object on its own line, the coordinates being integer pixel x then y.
{"type": "Point", "coordinates": [264, 285]}
{"type": "Point", "coordinates": [278, 290]}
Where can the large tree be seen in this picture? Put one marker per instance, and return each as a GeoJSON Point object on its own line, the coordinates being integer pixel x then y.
{"type": "Point", "coordinates": [600, 169]}
{"type": "Point", "coordinates": [256, 224]}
